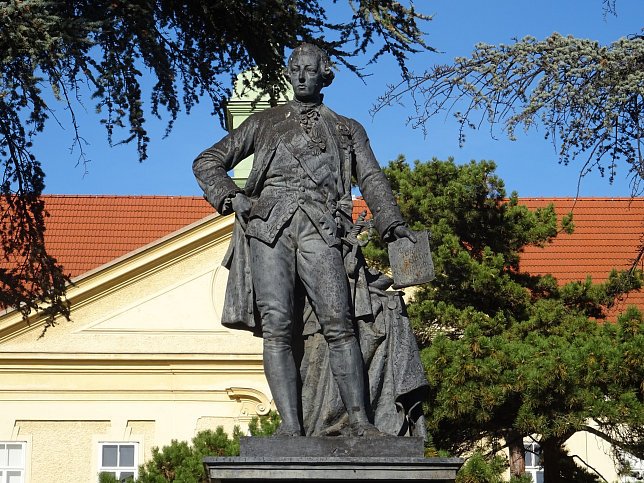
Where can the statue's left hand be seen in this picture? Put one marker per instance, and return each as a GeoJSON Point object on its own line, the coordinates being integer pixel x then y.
{"type": "Point", "coordinates": [242, 205]}
{"type": "Point", "coordinates": [402, 231]}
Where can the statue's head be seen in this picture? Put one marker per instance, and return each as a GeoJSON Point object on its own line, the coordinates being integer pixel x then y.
{"type": "Point", "coordinates": [309, 70]}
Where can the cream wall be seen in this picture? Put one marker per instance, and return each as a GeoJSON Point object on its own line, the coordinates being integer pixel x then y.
{"type": "Point", "coordinates": [144, 359]}
{"type": "Point", "coordinates": [595, 452]}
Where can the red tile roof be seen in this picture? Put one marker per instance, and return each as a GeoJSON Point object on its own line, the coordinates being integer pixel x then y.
{"type": "Point", "coordinates": [608, 234]}
{"type": "Point", "coordinates": [359, 205]}
{"type": "Point", "coordinates": [84, 232]}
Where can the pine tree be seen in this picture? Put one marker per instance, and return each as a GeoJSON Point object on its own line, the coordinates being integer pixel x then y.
{"type": "Point", "coordinates": [510, 355]}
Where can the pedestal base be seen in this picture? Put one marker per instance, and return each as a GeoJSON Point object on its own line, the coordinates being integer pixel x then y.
{"type": "Point", "coordinates": [354, 469]}
{"type": "Point", "coordinates": [335, 446]}
{"type": "Point", "coordinates": [355, 459]}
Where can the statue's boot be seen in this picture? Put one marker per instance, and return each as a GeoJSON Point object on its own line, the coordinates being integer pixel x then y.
{"type": "Point", "coordinates": [281, 374]}
{"type": "Point", "coordinates": [347, 367]}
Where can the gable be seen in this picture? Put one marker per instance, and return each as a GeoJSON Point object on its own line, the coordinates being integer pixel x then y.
{"type": "Point", "coordinates": [188, 305]}
{"type": "Point", "coordinates": [165, 297]}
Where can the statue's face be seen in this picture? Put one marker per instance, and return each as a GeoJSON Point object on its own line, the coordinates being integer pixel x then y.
{"type": "Point", "coordinates": [305, 76]}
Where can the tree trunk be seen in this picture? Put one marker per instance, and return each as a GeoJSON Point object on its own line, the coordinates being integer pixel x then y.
{"type": "Point", "coordinates": [551, 452]}
{"type": "Point", "coordinates": [514, 440]}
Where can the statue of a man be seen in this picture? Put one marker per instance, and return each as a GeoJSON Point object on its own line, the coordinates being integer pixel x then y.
{"type": "Point", "coordinates": [292, 216]}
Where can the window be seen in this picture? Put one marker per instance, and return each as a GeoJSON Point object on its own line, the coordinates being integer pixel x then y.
{"type": "Point", "coordinates": [635, 468]}
{"type": "Point", "coordinates": [119, 460]}
{"type": "Point", "coordinates": [12, 462]}
{"type": "Point", "coordinates": [532, 461]}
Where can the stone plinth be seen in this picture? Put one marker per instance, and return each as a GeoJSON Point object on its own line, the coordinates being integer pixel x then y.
{"type": "Point", "coordinates": [288, 447]}
{"type": "Point", "coordinates": [356, 459]}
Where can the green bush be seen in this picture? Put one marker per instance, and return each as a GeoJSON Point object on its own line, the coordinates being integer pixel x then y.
{"type": "Point", "coordinates": [107, 478]}
{"type": "Point", "coordinates": [181, 462]}
{"type": "Point", "coordinates": [478, 469]}
{"type": "Point", "coordinates": [264, 426]}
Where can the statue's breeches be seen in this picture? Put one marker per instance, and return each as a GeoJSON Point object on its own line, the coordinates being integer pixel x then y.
{"type": "Point", "coordinates": [300, 252]}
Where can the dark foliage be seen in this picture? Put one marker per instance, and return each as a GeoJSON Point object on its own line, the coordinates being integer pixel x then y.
{"type": "Point", "coordinates": [587, 97]}
{"type": "Point", "coordinates": [189, 50]}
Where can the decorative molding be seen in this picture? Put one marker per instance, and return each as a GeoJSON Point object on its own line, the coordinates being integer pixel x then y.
{"type": "Point", "coordinates": [253, 402]}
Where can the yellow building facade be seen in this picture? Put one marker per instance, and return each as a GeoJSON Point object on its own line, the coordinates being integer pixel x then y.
{"type": "Point", "coordinates": [143, 361]}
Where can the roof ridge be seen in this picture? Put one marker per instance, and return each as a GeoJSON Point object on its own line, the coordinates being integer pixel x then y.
{"type": "Point", "coordinates": [123, 196]}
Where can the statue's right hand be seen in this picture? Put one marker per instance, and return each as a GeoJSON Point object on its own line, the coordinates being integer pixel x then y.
{"type": "Point", "coordinates": [242, 205]}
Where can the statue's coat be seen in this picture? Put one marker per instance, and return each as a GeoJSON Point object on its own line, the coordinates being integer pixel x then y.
{"type": "Point", "coordinates": [275, 132]}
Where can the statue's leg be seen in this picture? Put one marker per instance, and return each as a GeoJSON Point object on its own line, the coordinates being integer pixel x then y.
{"type": "Point", "coordinates": [273, 274]}
{"type": "Point", "coordinates": [322, 272]}
{"type": "Point", "coordinates": [281, 375]}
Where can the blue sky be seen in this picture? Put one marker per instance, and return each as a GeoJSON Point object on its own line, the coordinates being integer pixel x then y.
{"type": "Point", "coordinates": [528, 165]}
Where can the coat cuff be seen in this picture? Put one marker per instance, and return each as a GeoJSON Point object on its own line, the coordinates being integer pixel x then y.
{"type": "Point", "coordinates": [221, 195]}
{"type": "Point", "coordinates": [386, 218]}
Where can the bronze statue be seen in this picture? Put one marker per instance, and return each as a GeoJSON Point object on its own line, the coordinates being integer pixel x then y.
{"type": "Point", "coordinates": [290, 244]}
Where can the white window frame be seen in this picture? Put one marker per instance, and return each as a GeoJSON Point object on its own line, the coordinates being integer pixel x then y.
{"type": "Point", "coordinates": [5, 469]}
{"type": "Point", "coordinates": [636, 468]}
{"type": "Point", "coordinates": [534, 469]}
{"type": "Point", "coordinates": [117, 470]}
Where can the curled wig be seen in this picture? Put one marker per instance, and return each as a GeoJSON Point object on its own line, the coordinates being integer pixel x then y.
{"type": "Point", "coordinates": [325, 61]}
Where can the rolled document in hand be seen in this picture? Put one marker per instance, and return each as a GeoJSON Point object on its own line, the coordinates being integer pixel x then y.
{"type": "Point", "coordinates": [411, 263]}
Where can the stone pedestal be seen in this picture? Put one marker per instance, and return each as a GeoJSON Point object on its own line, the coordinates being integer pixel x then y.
{"type": "Point", "coordinates": [356, 459]}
